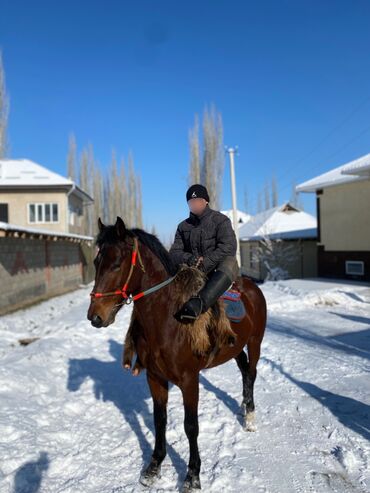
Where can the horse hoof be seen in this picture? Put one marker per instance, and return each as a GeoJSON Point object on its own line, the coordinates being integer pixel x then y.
{"type": "Point", "coordinates": [150, 474]}
{"type": "Point", "coordinates": [191, 483]}
{"type": "Point", "coordinates": [249, 423]}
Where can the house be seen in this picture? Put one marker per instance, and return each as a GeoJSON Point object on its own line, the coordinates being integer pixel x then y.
{"type": "Point", "coordinates": [281, 238]}
{"type": "Point", "coordinates": [35, 197]}
{"type": "Point", "coordinates": [242, 217]}
{"type": "Point", "coordinates": [343, 218]}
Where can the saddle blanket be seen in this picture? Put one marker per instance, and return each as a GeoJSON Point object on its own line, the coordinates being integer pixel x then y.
{"type": "Point", "coordinates": [234, 306]}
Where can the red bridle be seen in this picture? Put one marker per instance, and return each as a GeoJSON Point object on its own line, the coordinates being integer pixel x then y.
{"type": "Point", "coordinates": [123, 292]}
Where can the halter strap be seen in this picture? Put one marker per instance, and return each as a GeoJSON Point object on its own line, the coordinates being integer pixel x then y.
{"type": "Point", "coordinates": [123, 292]}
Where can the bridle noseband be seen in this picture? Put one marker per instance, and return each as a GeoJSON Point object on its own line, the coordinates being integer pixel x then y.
{"type": "Point", "coordinates": [128, 298]}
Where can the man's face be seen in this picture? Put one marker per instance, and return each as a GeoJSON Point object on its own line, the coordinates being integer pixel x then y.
{"type": "Point", "coordinates": [197, 205]}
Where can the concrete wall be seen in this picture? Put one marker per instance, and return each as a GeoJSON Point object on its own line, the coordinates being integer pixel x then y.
{"type": "Point", "coordinates": [36, 269]}
{"type": "Point", "coordinates": [345, 217]}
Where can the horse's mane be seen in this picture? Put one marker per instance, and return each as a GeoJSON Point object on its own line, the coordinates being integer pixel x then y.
{"type": "Point", "coordinates": [109, 235]}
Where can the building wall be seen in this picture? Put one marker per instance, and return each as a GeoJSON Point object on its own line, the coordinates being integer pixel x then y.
{"type": "Point", "coordinates": [345, 217]}
{"type": "Point", "coordinates": [35, 269]}
{"type": "Point", "coordinates": [304, 264]}
{"type": "Point", "coordinates": [333, 264]}
{"type": "Point", "coordinates": [18, 207]}
{"type": "Point", "coordinates": [77, 215]}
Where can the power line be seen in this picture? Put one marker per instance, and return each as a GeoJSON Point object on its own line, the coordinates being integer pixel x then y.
{"type": "Point", "coordinates": [317, 146]}
{"type": "Point", "coordinates": [338, 151]}
{"type": "Point", "coordinates": [325, 138]}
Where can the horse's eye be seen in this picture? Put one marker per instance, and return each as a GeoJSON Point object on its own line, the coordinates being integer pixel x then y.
{"type": "Point", "coordinates": [116, 266]}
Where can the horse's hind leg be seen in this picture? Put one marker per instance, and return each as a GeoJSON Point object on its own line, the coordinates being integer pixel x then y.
{"type": "Point", "coordinates": [248, 370]}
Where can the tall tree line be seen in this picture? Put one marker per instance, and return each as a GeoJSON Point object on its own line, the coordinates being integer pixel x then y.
{"type": "Point", "coordinates": [268, 196]}
{"type": "Point", "coordinates": [4, 112]}
{"type": "Point", "coordinates": [207, 155]}
{"type": "Point", "coordinates": [116, 191]}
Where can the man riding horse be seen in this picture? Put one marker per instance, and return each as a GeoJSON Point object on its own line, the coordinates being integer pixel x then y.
{"type": "Point", "coordinates": [206, 240]}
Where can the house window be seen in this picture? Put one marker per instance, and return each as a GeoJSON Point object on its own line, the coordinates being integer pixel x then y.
{"type": "Point", "coordinates": [4, 213]}
{"type": "Point", "coordinates": [43, 213]}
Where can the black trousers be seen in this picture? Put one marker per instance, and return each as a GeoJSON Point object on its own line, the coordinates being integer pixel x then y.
{"type": "Point", "coordinates": [229, 265]}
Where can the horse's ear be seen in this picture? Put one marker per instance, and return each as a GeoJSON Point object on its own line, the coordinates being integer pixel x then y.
{"type": "Point", "coordinates": [120, 228]}
{"type": "Point", "coordinates": [100, 225]}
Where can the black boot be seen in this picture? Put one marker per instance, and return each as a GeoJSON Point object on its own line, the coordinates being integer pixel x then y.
{"type": "Point", "coordinates": [215, 286]}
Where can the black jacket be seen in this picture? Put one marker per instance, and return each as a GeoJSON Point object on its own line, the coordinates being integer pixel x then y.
{"type": "Point", "coordinates": [209, 235]}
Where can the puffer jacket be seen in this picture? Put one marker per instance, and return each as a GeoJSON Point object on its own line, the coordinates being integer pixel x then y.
{"type": "Point", "coordinates": [209, 235]}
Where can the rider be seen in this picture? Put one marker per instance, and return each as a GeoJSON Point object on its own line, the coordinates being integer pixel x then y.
{"type": "Point", "coordinates": [206, 240]}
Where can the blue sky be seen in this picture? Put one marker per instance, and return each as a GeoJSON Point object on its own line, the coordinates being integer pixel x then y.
{"type": "Point", "coordinates": [291, 79]}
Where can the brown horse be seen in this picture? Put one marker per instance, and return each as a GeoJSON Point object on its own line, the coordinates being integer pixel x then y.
{"type": "Point", "coordinates": [162, 344]}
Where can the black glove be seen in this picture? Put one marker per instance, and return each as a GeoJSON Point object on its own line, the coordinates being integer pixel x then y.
{"type": "Point", "coordinates": [192, 261]}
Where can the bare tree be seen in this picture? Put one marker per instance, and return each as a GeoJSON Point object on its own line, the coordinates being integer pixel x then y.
{"type": "Point", "coordinates": [259, 202]}
{"type": "Point", "coordinates": [123, 191]}
{"type": "Point", "coordinates": [139, 204]}
{"type": "Point", "coordinates": [295, 198]}
{"type": "Point", "coordinates": [246, 199]}
{"type": "Point", "coordinates": [114, 193]}
{"type": "Point", "coordinates": [98, 195]}
{"type": "Point", "coordinates": [274, 192]}
{"type": "Point", "coordinates": [276, 255]}
{"type": "Point", "coordinates": [209, 170]}
{"type": "Point", "coordinates": [267, 196]}
{"type": "Point", "coordinates": [83, 177]}
{"type": "Point", "coordinates": [194, 171]}
{"type": "Point", "coordinates": [4, 112]}
{"type": "Point", "coordinates": [71, 158]}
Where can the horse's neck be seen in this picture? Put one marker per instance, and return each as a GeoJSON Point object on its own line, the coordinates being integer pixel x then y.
{"type": "Point", "coordinates": [154, 274]}
{"type": "Point", "coordinates": [155, 271]}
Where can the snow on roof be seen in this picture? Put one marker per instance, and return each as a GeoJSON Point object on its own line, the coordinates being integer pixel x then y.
{"type": "Point", "coordinates": [27, 173]}
{"type": "Point", "coordinates": [243, 217]}
{"type": "Point", "coordinates": [283, 221]}
{"type": "Point", "coordinates": [39, 231]}
{"type": "Point", "coordinates": [356, 170]}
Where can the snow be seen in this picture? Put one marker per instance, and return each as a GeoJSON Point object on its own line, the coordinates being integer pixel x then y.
{"type": "Point", "coordinates": [27, 172]}
{"type": "Point", "coordinates": [39, 231]}
{"type": "Point", "coordinates": [346, 173]}
{"type": "Point", "coordinates": [278, 222]}
{"type": "Point", "coordinates": [71, 420]}
{"type": "Point", "coordinates": [242, 217]}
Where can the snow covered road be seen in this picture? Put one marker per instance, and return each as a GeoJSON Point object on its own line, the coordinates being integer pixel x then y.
{"type": "Point", "coordinates": [71, 420]}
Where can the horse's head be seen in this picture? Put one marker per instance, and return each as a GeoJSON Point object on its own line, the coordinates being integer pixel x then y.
{"type": "Point", "coordinates": [112, 266]}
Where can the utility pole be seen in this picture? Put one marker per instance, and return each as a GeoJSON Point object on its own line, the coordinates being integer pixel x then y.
{"type": "Point", "coordinates": [231, 151]}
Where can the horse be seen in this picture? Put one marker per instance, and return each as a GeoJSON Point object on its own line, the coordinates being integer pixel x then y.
{"type": "Point", "coordinates": [138, 261]}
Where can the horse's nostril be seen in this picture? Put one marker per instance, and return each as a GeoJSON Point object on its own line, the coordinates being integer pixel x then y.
{"type": "Point", "coordinates": [96, 321]}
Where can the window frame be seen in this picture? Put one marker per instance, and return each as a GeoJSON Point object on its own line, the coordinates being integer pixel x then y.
{"type": "Point", "coordinates": [42, 204]}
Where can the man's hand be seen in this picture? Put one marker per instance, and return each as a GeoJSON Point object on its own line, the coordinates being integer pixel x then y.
{"type": "Point", "coordinates": [199, 261]}
{"type": "Point", "coordinates": [195, 261]}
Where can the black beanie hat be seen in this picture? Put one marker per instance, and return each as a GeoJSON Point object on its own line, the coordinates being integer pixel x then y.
{"type": "Point", "coordinates": [197, 191]}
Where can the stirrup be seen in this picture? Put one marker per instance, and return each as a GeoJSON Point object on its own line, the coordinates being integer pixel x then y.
{"type": "Point", "coordinates": [188, 316]}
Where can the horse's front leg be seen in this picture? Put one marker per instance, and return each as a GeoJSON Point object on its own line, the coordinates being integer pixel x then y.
{"type": "Point", "coordinates": [159, 391]}
{"type": "Point", "coordinates": [190, 392]}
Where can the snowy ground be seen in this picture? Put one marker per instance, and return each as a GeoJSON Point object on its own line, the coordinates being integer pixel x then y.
{"type": "Point", "coordinates": [72, 421]}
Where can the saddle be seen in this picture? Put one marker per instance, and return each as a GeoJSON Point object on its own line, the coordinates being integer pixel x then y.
{"type": "Point", "coordinates": [234, 306]}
